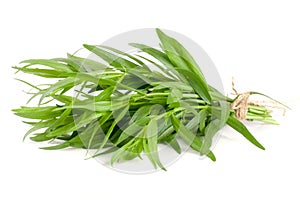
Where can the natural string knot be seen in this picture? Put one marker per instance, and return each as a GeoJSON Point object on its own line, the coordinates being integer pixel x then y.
{"type": "Point", "coordinates": [240, 105]}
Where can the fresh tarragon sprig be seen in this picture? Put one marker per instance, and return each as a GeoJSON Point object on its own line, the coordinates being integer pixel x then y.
{"type": "Point", "coordinates": [131, 104]}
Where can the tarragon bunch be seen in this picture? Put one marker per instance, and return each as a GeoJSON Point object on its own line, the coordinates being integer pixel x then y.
{"type": "Point", "coordinates": [131, 104]}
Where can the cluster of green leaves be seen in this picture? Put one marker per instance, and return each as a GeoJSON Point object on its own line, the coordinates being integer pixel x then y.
{"type": "Point", "coordinates": [127, 108]}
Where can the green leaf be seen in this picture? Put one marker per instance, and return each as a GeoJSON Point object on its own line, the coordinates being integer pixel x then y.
{"type": "Point", "coordinates": [185, 64]}
{"type": "Point", "coordinates": [203, 114]}
{"type": "Point", "coordinates": [134, 150]}
{"type": "Point", "coordinates": [67, 128]}
{"type": "Point", "coordinates": [105, 94]}
{"type": "Point", "coordinates": [188, 136]}
{"type": "Point", "coordinates": [47, 73]}
{"type": "Point", "coordinates": [87, 65]}
{"type": "Point", "coordinates": [33, 86]}
{"type": "Point", "coordinates": [128, 55]}
{"type": "Point", "coordinates": [120, 152]}
{"type": "Point", "coordinates": [79, 122]}
{"type": "Point", "coordinates": [62, 98]}
{"type": "Point", "coordinates": [49, 63]}
{"type": "Point", "coordinates": [97, 127]}
{"type": "Point", "coordinates": [61, 119]}
{"type": "Point", "coordinates": [56, 147]}
{"type": "Point", "coordinates": [241, 128]}
{"type": "Point", "coordinates": [140, 113]}
{"type": "Point", "coordinates": [43, 113]}
{"type": "Point", "coordinates": [174, 96]}
{"type": "Point", "coordinates": [41, 137]}
{"type": "Point", "coordinates": [108, 151]}
{"type": "Point", "coordinates": [211, 129]}
{"type": "Point", "coordinates": [60, 85]}
{"type": "Point", "coordinates": [150, 143]}
{"type": "Point", "coordinates": [221, 114]}
{"type": "Point", "coordinates": [73, 65]}
{"type": "Point", "coordinates": [73, 142]}
{"type": "Point", "coordinates": [199, 85]}
{"type": "Point", "coordinates": [163, 69]}
{"type": "Point", "coordinates": [160, 56]}
{"type": "Point", "coordinates": [174, 144]}
{"type": "Point", "coordinates": [111, 59]}
{"type": "Point", "coordinates": [173, 47]}
{"type": "Point", "coordinates": [166, 132]}
{"type": "Point", "coordinates": [118, 116]}
{"type": "Point", "coordinates": [38, 126]}
{"type": "Point", "coordinates": [176, 84]}
{"type": "Point", "coordinates": [132, 130]}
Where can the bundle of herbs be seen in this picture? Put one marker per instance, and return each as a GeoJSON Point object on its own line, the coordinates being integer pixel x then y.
{"type": "Point", "coordinates": [127, 107]}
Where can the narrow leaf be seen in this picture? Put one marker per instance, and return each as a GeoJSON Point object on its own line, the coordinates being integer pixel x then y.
{"type": "Point", "coordinates": [49, 63]}
{"type": "Point", "coordinates": [241, 128]}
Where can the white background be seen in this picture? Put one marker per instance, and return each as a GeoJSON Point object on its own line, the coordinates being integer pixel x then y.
{"type": "Point", "coordinates": [258, 42]}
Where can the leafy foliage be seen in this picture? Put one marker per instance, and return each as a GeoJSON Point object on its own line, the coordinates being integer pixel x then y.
{"type": "Point", "coordinates": [128, 108]}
